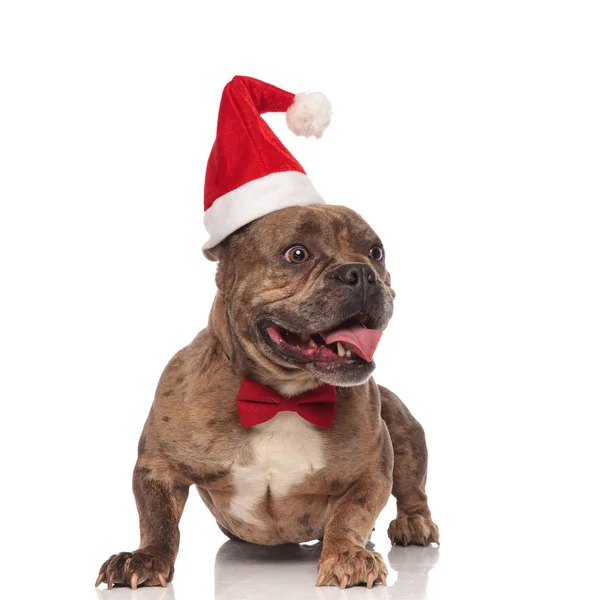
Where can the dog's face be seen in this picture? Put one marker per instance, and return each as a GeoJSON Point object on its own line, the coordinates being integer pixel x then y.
{"type": "Point", "coordinates": [306, 291]}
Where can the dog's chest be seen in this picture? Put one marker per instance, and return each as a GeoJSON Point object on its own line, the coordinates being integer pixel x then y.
{"type": "Point", "coordinates": [283, 451]}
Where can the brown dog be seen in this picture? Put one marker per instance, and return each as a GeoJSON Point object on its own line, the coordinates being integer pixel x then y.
{"type": "Point", "coordinates": [284, 281]}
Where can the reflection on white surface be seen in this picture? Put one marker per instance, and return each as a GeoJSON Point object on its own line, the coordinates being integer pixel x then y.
{"type": "Point", "coordinates": [412, 565]}
{"type": "Point", "coordinates": [249, 572]}
{"type": "Point", "coordinates": [143, 593]}
{"type": "Point", "coordinates": [464, 568]}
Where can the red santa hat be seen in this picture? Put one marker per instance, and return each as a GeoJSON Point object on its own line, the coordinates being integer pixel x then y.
{"type": "Point", "coordinates": [250, 173]}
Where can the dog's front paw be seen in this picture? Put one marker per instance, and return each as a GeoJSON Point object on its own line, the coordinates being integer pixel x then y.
{"type": "Point", "coordinates": [135, 569]}
{"type": "Point", "coordinates": [351, 566]}
{"type": "Point", "coordinates": [415, 530]}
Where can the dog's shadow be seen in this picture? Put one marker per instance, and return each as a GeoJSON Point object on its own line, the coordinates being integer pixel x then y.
{"type": "Point", "coordinates": [251, 572]}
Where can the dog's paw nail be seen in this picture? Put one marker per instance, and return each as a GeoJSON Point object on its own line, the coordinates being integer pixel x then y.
{"type": "Point", "coordinates": [134, 581]}
{"type": "Point", "coordinates": [383, 579]}
{"type": "Point", "coordinates": [370, 579]}
{"type": "Point", "coordinates": [163, 581]}
{"type": "Point", "coordinates": [100, 578]}
{"type": "Point", "coordinates": [344, 582]}
{"type": "Point", "coordinates": [111, 580]}
{"type": "Point", "coordinates": [320, 580]}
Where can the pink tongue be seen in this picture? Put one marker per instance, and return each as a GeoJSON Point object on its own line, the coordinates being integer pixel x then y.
{"type": "Point", "coordinates": [360, 339]}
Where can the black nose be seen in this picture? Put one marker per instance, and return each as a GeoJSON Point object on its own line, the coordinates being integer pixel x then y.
{"type": "Point", "coordinates": [356, 274]}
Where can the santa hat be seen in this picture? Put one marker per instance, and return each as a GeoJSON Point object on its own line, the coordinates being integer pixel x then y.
{"type": "Point", "coordinates": [250, 173]}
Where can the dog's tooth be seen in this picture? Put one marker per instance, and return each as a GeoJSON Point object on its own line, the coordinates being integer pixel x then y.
{"type": "Point", "coordinates": [312, 343]}
{"type": "Point", "coordinates": [341, 350]}
{"type": "Point", "coordinates": [348, 354]}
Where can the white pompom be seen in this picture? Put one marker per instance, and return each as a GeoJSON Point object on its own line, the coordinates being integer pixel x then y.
{"type": "Point", "coordinates": [309, 115]}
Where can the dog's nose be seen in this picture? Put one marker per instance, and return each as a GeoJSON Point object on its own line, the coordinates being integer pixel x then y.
{"type": "Point", "coordinates": [356, 274]}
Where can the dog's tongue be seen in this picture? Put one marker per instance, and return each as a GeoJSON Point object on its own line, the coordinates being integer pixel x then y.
{"type": "Point", "coordinates": [361, 340]}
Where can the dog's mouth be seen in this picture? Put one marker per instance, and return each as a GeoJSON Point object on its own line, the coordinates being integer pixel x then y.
{"type": "Point", "coordinates": [352, 342]}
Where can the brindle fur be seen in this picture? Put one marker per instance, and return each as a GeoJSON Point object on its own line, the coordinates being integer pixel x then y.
{"type": "Point", "coordinates": [192, 433]}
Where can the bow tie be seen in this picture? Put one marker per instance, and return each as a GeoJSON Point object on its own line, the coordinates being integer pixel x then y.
{"type": "Point", "coordinates": [258, 403]}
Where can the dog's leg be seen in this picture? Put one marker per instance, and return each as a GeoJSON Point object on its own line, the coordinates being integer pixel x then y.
{"type": "Point", "coordinates": [160, 501]}
{"type": "Point", "coordinates": [344, 559]}
{"type": "Point", "coordinates": [413, 524]}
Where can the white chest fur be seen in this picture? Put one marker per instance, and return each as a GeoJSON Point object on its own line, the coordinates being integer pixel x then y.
{"type": "Point", "coordinates": [285, 450]}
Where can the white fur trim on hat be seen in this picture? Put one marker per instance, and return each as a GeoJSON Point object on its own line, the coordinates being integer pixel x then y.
{"type": "Point", "coordinates": [255, 199]}
{"type": "Point", "coordinates": [309, 114]}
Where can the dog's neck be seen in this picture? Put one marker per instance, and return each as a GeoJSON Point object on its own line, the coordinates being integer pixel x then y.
{"type": "Point", "coordinates": [286, 381]}
{"type": "Point", "coordinates": [218, 324]}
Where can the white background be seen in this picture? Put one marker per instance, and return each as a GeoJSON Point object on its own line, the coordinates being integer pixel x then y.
{"type": "Point", "coordinates": [466, 133]}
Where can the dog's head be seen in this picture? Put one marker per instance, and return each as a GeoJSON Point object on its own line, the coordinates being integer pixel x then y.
{"type": "Point", "coordinates": [304, 294]}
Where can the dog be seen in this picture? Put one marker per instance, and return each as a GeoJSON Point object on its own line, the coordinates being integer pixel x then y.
{"type": "Point", "coordinates": [303, 294]}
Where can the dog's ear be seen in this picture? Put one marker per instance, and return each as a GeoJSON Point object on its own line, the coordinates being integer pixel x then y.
{"type": "Point", "coordinates": [211, 253]}
{"type": "Point", "coordinates": [216, 253]}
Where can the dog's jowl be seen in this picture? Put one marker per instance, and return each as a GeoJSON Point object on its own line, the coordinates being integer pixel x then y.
{"type": "Point", "coordinates": [271, 412]}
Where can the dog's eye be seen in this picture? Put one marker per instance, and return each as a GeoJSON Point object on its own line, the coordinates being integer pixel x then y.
{"type": "Point", "coordinates": [296, 254]}
{"type": "Point", "coordinates": [376, 253]}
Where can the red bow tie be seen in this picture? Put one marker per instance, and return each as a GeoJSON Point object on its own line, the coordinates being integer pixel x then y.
{"type": "Point", "coordinates": [258, 403]}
